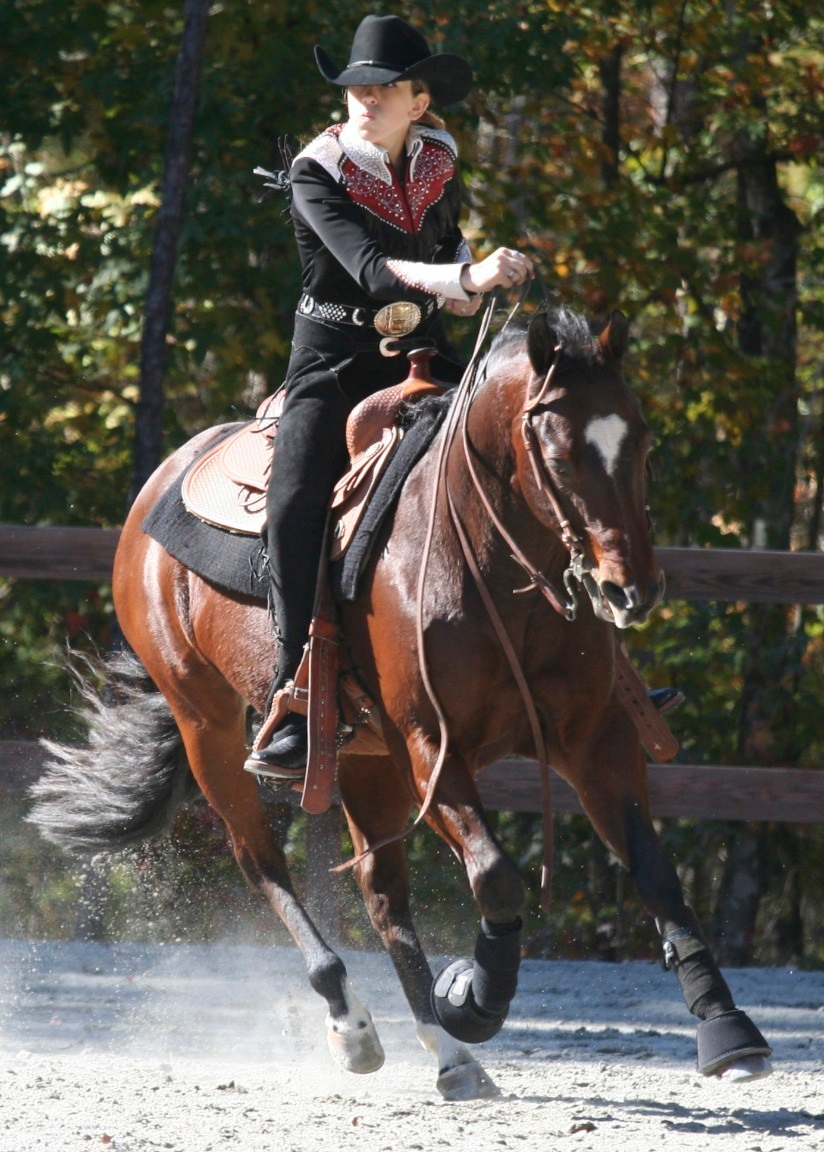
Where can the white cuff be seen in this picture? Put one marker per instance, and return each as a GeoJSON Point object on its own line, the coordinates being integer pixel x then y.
{"type": "Point", "coordinates": [437, 279]}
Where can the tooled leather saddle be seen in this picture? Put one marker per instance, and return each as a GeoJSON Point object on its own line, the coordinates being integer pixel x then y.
{"type": "Point", "coordinates": [226, 486]}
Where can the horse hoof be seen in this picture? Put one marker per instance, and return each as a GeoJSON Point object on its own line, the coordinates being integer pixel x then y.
{"type": "Point", "coordinates": [355, 1045]}
{"type": "Point", "coordinates": [466, 1081]}
{"type": "Point", "coordinates": [747, 1068]}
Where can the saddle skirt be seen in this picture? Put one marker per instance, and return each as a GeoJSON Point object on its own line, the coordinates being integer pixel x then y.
{"type": "Point", "coordinates": [226, 486]}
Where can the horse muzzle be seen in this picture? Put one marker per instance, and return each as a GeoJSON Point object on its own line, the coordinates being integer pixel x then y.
{"type": "Point", "coordinates": [624, 605]}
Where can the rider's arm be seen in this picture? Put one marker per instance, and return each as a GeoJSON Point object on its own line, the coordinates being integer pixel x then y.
{"type": "Point", "coordinates": [321, 203]}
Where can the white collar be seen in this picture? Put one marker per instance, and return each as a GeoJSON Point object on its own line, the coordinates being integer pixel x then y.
{"type": "Point", "coordinates": [376, 160]}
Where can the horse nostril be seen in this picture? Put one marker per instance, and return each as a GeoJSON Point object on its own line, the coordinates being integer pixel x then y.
{"type": "Point", "coordinates": [620, 597]}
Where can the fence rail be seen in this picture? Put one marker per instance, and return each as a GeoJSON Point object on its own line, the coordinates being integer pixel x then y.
{"type": "Point", "coordinates": [696, 792]}
{"type": "Point", "coordinates": [679, 790]}
{"type": "Point", "coordinates": [731, 575]}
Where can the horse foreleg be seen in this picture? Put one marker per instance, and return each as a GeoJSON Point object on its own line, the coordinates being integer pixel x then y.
{"type": "Point", "coordinates": [216, 756]}
{"type": "Point", "coordinates": [616, 802]}
{"type": "Point", "coordinates": [729, 1044]}
{"type": "Point", "coordinates": [471, 997]}
{"type": "Point", "coordinates": [374, 812]}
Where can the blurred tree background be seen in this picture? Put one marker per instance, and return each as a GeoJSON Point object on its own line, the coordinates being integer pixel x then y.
{"type": "Point", "coordinates": [662, 156]}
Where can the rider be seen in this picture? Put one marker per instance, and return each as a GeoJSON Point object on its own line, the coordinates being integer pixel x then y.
{"type": "Point", "coordinates": [375, 207]}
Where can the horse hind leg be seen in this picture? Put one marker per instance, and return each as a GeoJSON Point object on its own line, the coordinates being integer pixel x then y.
{"type": "Point", "coordinates": [212, 722]}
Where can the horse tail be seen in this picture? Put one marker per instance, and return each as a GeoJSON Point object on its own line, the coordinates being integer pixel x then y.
{"type": "Point", "coordinates": [127, 781]}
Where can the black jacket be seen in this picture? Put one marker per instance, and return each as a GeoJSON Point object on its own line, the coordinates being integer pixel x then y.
{"type": "Point", "coordinates": [363, 234]}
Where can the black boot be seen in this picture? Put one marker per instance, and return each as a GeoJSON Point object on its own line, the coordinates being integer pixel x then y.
{"type": "Point", "coordinates": [666, 699]}
{"type": "Point", "coordinates": [284, 756]}
{"type": "Point", "coordinates": [280, 752]}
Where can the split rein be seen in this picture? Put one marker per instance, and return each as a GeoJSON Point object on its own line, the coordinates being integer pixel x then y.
{"type": "Point", "coordinates": [458, 418]}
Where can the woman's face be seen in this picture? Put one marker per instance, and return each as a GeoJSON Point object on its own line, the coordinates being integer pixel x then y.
{"type": "Point", "coordinates": [383, 113]}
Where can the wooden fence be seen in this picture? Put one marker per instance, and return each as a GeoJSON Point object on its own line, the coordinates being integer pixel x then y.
{"type": "Point", "coordinates": [689, 791]}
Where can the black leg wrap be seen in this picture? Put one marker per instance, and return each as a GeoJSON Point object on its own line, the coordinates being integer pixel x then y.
{"type": "Point", "coordinates": [726, 1038]}
{"type": "Point", "coordinates": [470, 1000]}
{"type": "Point", "coordinates": [686, 951]}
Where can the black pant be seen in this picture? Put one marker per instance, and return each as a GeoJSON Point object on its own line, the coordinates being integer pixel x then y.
{"type": "Point", "coordinates": [332, 368]}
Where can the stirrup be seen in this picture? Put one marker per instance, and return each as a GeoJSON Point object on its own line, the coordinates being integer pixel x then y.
{"type": "Point", "coordinates": [291, 699]}
{"type": "Point", "coordinates": [273, 773]}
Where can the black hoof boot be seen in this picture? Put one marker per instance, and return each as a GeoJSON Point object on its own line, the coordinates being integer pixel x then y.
{"type": "Point", "coordinates": [471, 998]}
{"type": "Point", "coordinates": [455, 1008]}
{"type": "Point", "coordinates": [728, 1037]}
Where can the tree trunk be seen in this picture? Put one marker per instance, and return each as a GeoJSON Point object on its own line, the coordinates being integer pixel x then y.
{"type": "Point", "coordinates": [767, 330]}
{"type": "Point", "coordinates": [148, 442]}
{"type": "Point", "coordinates": [610, 72]}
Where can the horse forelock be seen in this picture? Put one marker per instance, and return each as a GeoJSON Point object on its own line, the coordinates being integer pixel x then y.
{"type": "Point", "coordinates": [571, 330]}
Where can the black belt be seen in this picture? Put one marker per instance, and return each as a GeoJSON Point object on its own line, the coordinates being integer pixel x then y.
{"type": "Point", "coordinates": [397, 319]}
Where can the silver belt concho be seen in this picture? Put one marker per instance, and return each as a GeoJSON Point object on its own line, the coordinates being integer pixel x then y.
{"type": "Point", "coordinates": [399, 318]}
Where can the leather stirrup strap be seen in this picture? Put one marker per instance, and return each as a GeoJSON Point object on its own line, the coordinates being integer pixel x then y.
{"type": "Point", "coordinates": [632, 692]}
{"type": "Point", "coordinates": [322, 759]}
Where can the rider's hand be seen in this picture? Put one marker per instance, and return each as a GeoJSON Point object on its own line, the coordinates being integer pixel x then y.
{"type": "Point", "coordinates": [464, 307]}
{"type": "Point", "coordinates": [505, 268]}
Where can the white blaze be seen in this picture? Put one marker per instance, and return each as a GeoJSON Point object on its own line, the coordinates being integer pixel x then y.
{"type": "Point", "coordinates": [607, 434]}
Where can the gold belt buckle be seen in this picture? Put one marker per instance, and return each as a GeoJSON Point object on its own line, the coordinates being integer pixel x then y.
{"type": "Point", "coordinates": [399, 318]}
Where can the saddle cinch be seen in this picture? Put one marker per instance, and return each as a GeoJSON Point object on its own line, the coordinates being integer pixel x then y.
{"type": "Point", "coordinates": [226, 487]}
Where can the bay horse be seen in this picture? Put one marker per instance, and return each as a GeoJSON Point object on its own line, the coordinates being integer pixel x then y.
{"type": "Point", "coordinates": [542, 455]}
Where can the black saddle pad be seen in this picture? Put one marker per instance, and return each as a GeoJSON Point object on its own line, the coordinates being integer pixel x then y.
{"type": "Point", "coordinates": [232, 562]}
{"type": "Point", "coordinates": [238, 563]}
{"type": "Point", "coordinates": [426, 417]}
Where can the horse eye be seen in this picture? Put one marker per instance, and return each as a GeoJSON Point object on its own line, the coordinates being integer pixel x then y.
{"type": "Point", "coordinates": [558, 465]}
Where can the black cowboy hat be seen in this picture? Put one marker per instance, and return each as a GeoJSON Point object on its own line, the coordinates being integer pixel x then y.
{"type": "Point", "coordinates": [386, 48]}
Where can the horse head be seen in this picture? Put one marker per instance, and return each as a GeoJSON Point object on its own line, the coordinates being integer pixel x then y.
{"type": "Point", "coordinates": [582, 462]}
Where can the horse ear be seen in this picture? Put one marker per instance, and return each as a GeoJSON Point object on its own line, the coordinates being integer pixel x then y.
{"type": "Point", "coordinates": [615, 337]}
{"type": "Point", "coordinates": [541, 343]}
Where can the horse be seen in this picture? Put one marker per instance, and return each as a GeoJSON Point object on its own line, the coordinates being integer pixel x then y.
{"type": "Point", "coordinates": [467, 633]}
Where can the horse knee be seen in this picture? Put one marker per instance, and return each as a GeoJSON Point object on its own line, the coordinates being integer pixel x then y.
{"type": "Point", "coordinates": [652, 873]}
{"type": "Point", "coordinates": [501, 892]}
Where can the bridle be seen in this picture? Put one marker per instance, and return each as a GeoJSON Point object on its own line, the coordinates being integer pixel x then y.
{"type": "Point", "coordinates": [547, 487]}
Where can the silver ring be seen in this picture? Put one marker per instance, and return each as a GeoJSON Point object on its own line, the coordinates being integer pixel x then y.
{"type": "Point", "coordinates": [512, 275]}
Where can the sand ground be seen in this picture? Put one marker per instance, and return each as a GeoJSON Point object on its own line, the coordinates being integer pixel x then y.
{"type": "Point", "coordinates": [207, 1049]}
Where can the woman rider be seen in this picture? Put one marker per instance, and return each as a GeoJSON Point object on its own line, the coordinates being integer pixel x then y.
{"type": "Point", "coordinates": [375, 207]}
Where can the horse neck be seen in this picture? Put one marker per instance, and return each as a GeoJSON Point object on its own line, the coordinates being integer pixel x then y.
{"type": "Point", "coordinates": [494, 431]}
